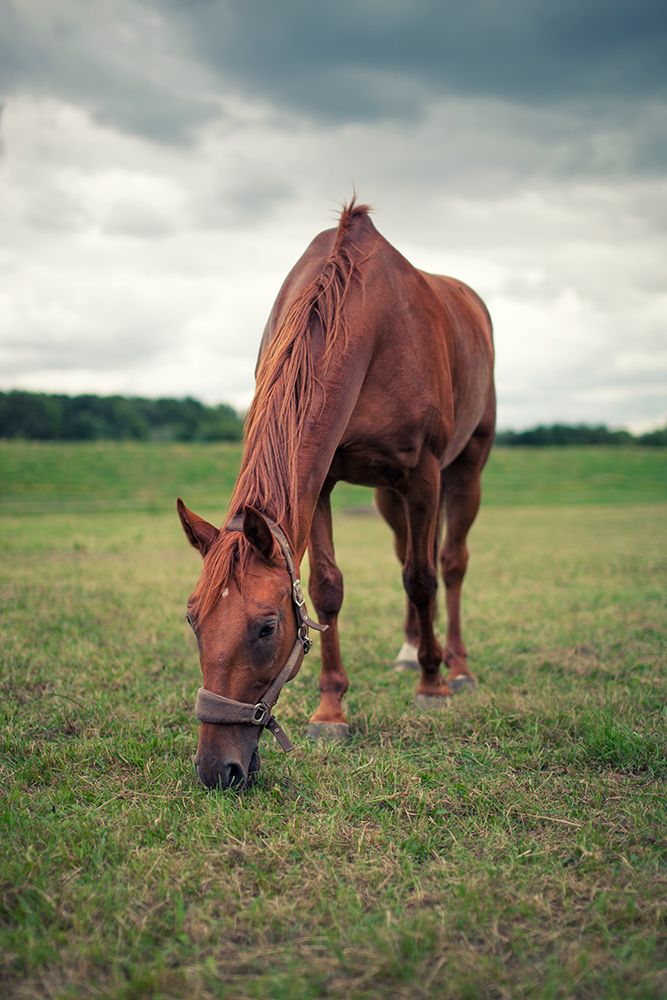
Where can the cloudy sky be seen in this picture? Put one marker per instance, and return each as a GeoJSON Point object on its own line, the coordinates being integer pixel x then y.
{"type": "Point", "coordinates": [163, 163]}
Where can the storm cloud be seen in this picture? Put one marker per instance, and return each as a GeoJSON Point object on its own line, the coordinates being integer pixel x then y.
{"type": "Point", "coordinates": [164, 164]}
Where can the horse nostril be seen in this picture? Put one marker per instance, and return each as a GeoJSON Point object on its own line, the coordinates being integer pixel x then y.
{"type": "Point", "coordinates": [232, 776]}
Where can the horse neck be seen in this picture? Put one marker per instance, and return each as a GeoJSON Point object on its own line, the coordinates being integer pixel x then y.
{"type": "Point", "coordinates": [263, 482]}
{"type": "Point", "coordinates": [337, 394]}
{"type": "Point", "coordinates": [308, 383]}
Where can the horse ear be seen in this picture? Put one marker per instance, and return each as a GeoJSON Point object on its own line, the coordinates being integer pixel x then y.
{"type": "Point", "coordinates": [258, 533]}
{"type": "Point", "coordinates": [199, 532]}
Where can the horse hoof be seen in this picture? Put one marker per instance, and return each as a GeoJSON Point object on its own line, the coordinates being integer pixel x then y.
{"type": "Point", "coordinates": [407, 658]}
{"type": "Point", "coordinates": [328, 732]}
{"type": "Point", "coordinates": [432, 702]}
{"type": "Point", "coordinates": [462, 683]}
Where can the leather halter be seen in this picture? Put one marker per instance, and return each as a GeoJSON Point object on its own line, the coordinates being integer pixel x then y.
{"type": "Point", "coordinates": [216, 709]}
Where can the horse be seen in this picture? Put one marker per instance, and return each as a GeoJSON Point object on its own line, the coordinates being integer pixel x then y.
{"type": "Point", "coordinates": [374, 373]}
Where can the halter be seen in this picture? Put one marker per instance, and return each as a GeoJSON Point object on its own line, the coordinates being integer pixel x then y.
{"type": "Point", "coordinates": [220, 711]}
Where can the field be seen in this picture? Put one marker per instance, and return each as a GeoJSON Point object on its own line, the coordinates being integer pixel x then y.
{"type": "Point", "coordinates": [512, 847]}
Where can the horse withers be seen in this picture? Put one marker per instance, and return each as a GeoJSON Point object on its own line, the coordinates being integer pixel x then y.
{"type": "Point", "coordinates": [372, 372]}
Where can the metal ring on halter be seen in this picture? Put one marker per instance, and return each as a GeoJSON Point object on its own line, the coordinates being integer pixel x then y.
{"type": "Point", "coordinates": [297, 594]}
{"type": "Point", "coordinates": [261, 715]}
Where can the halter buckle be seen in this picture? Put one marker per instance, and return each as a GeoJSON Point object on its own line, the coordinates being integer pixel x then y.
{"type": "Point", "coordinates": [297, 594]}
{"type": "Point", "coordinates": [305, 639]}
{"type": "Point", "coordinates": [261, 714]}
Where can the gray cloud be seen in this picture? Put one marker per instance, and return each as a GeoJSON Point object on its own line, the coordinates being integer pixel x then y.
{"type": "Point", "coordinates": [119, 62]}
{"type": "Point", "coordinates": [152, 68]}
{"type": "Point", "coordinates": [166, 162]}
{"type": "Point", "coordinates": [364, 59]}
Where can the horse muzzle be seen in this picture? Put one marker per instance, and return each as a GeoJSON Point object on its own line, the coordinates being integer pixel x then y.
{"type": "Point", "coordinates": [229, 759]}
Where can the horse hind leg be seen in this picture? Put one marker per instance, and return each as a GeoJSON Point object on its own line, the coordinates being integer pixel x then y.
{"type": "Point", "coordinates": [420, 577]}
{"type": "Point", "coordinates": [392, 507]}
{"type": "Point", "coordinates": [462, 491]}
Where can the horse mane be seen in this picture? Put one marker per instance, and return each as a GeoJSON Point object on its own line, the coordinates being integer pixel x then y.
{"type": "Point", "coordinates": [282, 402]}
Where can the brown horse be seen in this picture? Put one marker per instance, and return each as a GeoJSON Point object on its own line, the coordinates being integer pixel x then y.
{"type": "Point", "coordinates": [375, 373]}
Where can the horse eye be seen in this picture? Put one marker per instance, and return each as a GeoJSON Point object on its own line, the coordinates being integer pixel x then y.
{"type": "Point", "coordinates": [268, 628]}
{"type": "Point", "coordinates": [189, 621]}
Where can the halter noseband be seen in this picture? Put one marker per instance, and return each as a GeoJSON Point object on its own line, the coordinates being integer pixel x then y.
{"type": "Point", "coordinates": [216, 709]}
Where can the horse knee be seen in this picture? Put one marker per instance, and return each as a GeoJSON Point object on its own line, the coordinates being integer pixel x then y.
{"type": "Point", "coordinates": [326, 591]}
{"type": "Point", "coordinates": [420, 586]}
{"type": "Point", "coordinates": [454, 566]}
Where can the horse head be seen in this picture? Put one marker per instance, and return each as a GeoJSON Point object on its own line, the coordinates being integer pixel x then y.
{"type": "Point", "coordinates": [251, 640]}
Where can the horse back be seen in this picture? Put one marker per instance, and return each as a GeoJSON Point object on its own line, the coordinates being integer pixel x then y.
{"type": "Point", "coordinates": [415, 369]}
{"type": "Point", "coordinates": [429, 381]}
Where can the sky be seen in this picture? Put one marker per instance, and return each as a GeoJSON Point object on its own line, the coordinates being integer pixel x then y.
{"type": "Point", "coordinates": [164, 163]}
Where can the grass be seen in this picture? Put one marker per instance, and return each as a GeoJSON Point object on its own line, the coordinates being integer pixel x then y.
{"type": "Point", "coordinates": [42, 477]}
{"type": "Point", "coordinates": [511, 847]}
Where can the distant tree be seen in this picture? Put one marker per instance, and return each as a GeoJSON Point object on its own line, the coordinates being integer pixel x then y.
{"type": "Point", "coordinates": [655, 439]}
{"type": "Point", "coordinates": [30, 415]}
{"type": "Point", "coordinates": [563, 434]}
{"type": "Point", "coordinates": [44, 417]}
{"type": "Point", "coordinates": [88, 418]}
{"type": "Point", "coordinates": [129, 419]}
{"type": "Point", "coordinates": [220, 424]}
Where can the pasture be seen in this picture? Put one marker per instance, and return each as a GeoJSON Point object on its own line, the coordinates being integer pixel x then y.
{"type": "Point", "coordinates": [513, 846]}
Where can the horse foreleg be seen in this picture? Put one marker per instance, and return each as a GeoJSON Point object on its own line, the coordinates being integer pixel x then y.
{"type": "Point", "coordinates": [419, 573]}
{"type": "Point", "coordinates": [326, 591]}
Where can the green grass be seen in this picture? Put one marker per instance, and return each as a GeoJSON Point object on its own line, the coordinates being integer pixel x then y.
{"type": "Point", "coordinates": [576, 475]}
{"type": "Point", "coordinates": [40, 477]}
{"type": "Point", "coordinates": [511, 847]}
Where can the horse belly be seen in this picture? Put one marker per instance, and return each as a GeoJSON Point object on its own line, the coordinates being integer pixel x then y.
{"type": "Point", "coordinates": [381, 449]}
{"type": "Point", "coordinates": [390, 430]}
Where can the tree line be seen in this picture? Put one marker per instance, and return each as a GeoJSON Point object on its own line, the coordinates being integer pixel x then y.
{"type": "Point", "coordinates": [43, 417]}
{"type": "Point", "coordinates": [563, 434]}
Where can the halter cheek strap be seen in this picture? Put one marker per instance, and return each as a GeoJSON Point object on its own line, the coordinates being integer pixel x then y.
{"type": "Point", "coordinates": [221, 711]}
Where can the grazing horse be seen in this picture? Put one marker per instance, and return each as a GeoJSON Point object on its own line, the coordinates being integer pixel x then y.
{"type": "Point", "coordinates": [374, 373]}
